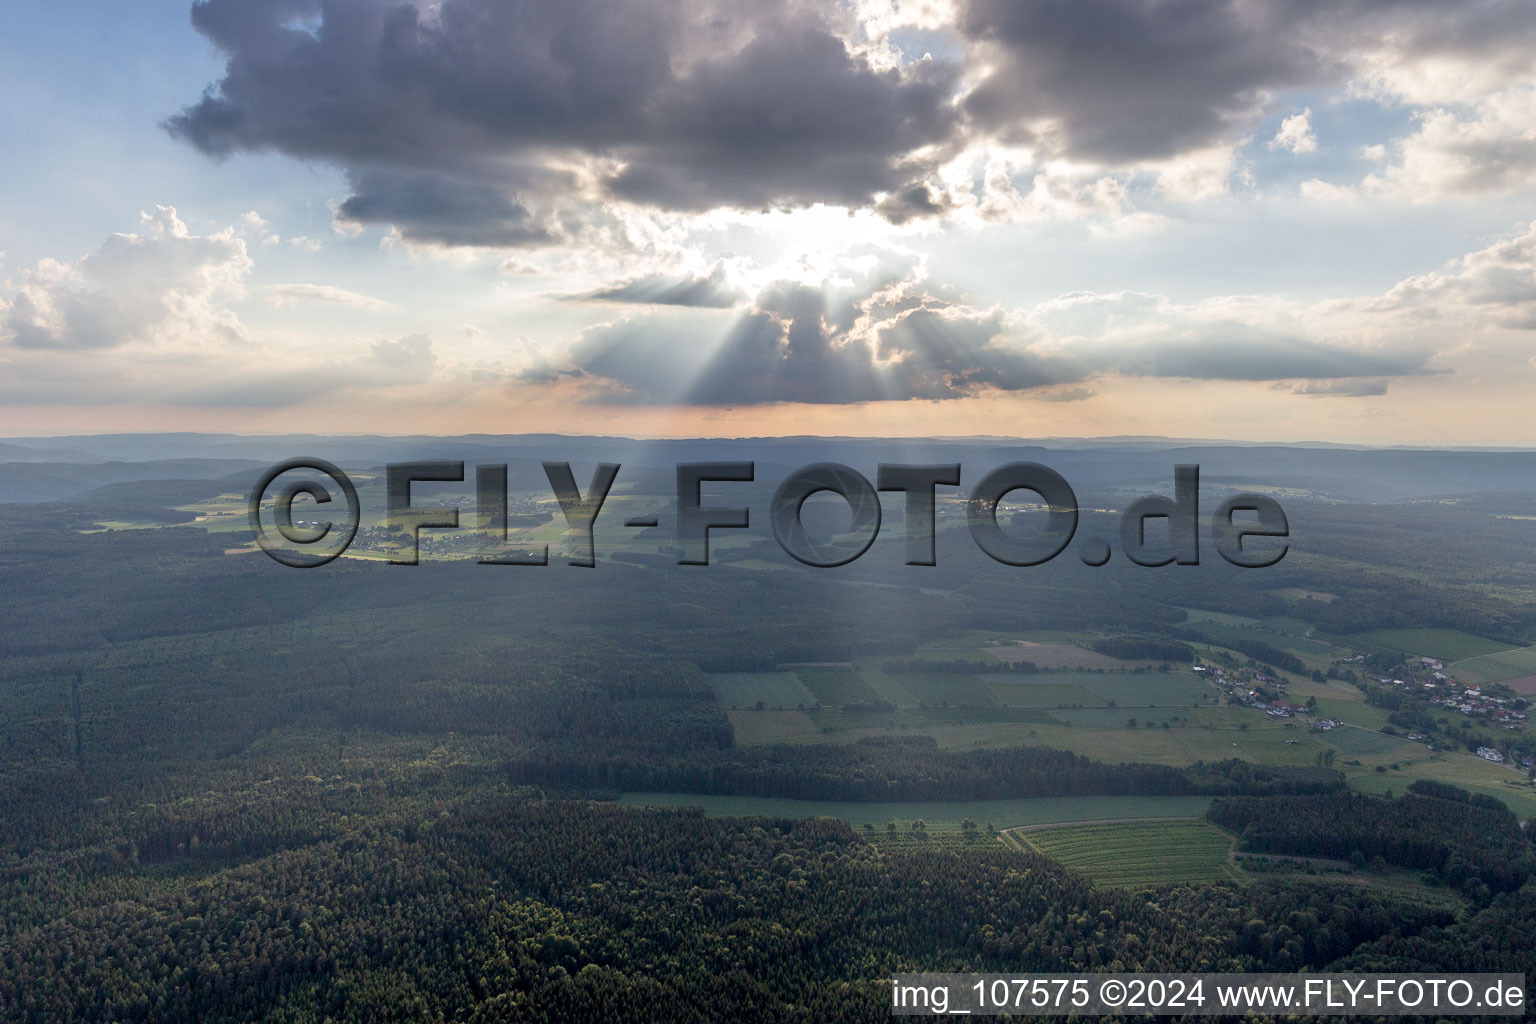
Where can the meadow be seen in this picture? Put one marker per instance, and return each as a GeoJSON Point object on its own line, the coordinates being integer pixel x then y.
{"type": "Point", "coordinates": [1350, 739]}
{"type": "Point", "coordinates": [832, 686]}
{"type": "Point", "coordinates": [1139, 854]}
{"type": "Point", "coordinates": [1447, 645]}
{"type": "Point", "coordinates": [1506, 665]}
{"type": "Point", "coordinates": [1013, 692]}
{"type": "Point", "coordinates": [777, 690]}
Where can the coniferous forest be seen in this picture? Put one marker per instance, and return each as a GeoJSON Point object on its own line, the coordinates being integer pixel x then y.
{"type": "Point", "coordinates": [232, 791]}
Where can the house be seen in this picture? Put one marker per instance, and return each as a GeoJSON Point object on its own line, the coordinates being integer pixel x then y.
{"type": "Point", "coordinates": [1489, 754]}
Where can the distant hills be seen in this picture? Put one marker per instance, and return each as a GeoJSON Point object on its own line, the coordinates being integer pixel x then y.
{"type": "Point", "coordinates": [59, 468]}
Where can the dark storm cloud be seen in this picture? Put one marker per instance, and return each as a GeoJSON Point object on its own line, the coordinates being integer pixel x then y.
{"type": "Point", "coordinates": [686, 104]}
{"type": "Point", "coordinates": [435, 208]}
{"type": "Point", "coordinates": [912, 202]}
{"type": "Point", "coordinates": [502, 122]}
{"type": "Point", "coordinates": [1121, 81]}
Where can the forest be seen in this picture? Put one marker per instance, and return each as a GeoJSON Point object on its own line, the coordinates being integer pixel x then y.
{"type": "Point", "coordinates": [1472, 846]}
{"type": "Point", "coordinates": [233, 791]}
{"type": "Point", "coordinates": [503, 907]}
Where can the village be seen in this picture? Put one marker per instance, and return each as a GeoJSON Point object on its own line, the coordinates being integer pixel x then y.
{"type": "Point", "coordinates": [1251, 687]}
{"type": "Point", "coordinates": [1428, 681]}
{"type": "Point", "coordinates": [1421, 678]}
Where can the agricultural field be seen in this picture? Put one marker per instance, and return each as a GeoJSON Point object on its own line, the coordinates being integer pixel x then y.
{"type": "Point", "coordinates": [957, 688]}
{"type": "Point", "coordinates": [1458, 769]}
{"type": "Point", "coordinates": [1147, 689]}
{"type": "Point", "coordinates": [1275, 632]}
{"type": "Point", "coordinates": [844, 724]}
{"type": "Point", "coordinates": [771, 689]}
{"type": "Point", "coordinates": [972, 654]}
{"type": "Point", "coordinates": [1355, 741]}
{"type": "Point", "coordinates": [937, 817]}
{"type": "Point", "coordinates": [833, 686]}
{"type": "Point", "coordinates": [976, 640]}
{"type": "Point", "coordinates": [1023, 692]}
{"type": "Point", "coordinates": [1139, 854]}
{"type": "Point", "coordinates": [1197, 616]}
{"type": "Point", "coordinates": [911, 839]}
{"type": "Point", "coordinates": [787, 726]}
{"type": "Point", "coordinates": [972, 713]}
{"type": "Point", "coordinates": [1447, 645]}
{"type": "Point", "coordinates": [1118, 718]}
{"type": "Point", "coordinates": [1507, 666]}
{"type": "Point", "coordinates": [1340, 700]}
{"type": "Point", "coordinates": [1044, 655]}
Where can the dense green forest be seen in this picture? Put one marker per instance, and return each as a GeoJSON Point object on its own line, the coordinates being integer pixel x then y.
{"type": "Point", "coordinates": [233, 791]}
{"type": "Point", "coordinates": [503, 907]}
{"type": "Point", "coordinates": [1474, 847]}
{"type": "Point", "coordinates": [878, 769]}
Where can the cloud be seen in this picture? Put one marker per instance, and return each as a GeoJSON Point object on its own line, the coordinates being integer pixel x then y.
{"type": "Point", "coordinates": [482, 123]}
{"type": "Point", "coordinates": [1065, 395]}
{"type": "Point", "coordinates": [1117, 83]}
{"type": "Point", "coordinates": [1319, 191]}
{"type": "Point", "coordinates": [1237, 351]}
{"type": "Point", "coordinates": [1121, 82]}
{"type": "Point", "coordinates": [274, 383]}
{"type": "Point", "coordinates": [163, 286]}
{"type": "Point", "coordinates": [1295, 134]}
{"type": "Point", "coordinates": [869, 332]}
{"type": "Point", "coordinates": [288, 293]}
{"type": "Point", "coordinates": [1492, 287]}
{"type": "Point", "coordinates": [1337, 388]}
{"type": "Point", "coordinates": [1487, 149]}
{"type": "Point", "coordinates": [712, 290]}
{"type": "Point", "coordinates": [529, 123]}
{"type": "Point", "coordinates": [452, 210]}
{"type": "Point", "coordinates": [913, 202]}
{"type": "Point", "coordinates": [875, 330]}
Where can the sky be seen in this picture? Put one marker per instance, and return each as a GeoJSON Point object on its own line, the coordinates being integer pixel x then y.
{"type": "Point", "coordinates": [1267, 220]}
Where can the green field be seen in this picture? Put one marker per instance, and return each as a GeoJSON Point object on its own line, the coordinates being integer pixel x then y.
{"type": "Point", "coordinates": [959, 688]}
{"type": "Point", "coordinates": [973, 713]}
{"type": "Point", "coordinates": [1141, 690]}
{"type": "Point", "coordinates": [1493, 668]}
{"type": "Point", "coordinates": [1448, 645]}
{"type": "Point", "coordinates": [1137, 854]}
{"type": "Point", "coordinates": [1275, 632]}
{"type": "Point", "coordinates": [1021, 692]}
{"type": "Point", "coordinates": [1197, 616]}
{"type": "Point", "coordinates": [937, 816]}
{"type": "Point", "coordinates": [835, 686]}
{"type": "Point", "coordinates": [771, 689]}
{"type": "Point", "coordinates": [1352, 740]}
{"type": "Point", "coordinates": [1118, 718]}
{"type": "Point", "coordinates": [1459, 770]}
